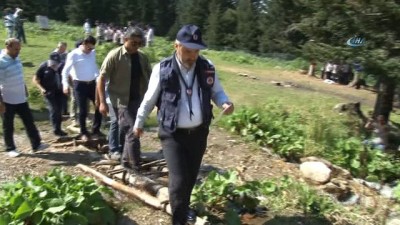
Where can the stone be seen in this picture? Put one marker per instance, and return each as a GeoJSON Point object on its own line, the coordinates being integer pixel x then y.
{"type": "Point", "coordinates": [393, 221]}
{"type": "Point", "coordinates": [316, 172]}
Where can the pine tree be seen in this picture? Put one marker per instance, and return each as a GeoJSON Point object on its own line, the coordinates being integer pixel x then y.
{"type": "Point", "coordinates": [246, 31]}
{"type": "Point", "coordinates": [213, 34]}
{"type": "Point", "coordinates": [276, 19]}
{"type": "Point", "coordinates": [55, 10]}
{"type": "Point", "coordinates": [164, 16]}
{"type": "Point", "coordinates": [128, 10]}
{"type": "Point", "coordinates": [78, 11]}
{"type": "Point", "coordinates": [228, 28]}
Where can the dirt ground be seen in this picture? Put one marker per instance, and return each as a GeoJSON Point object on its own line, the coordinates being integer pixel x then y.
{"type": "Point", "coordinates": [224, 151]}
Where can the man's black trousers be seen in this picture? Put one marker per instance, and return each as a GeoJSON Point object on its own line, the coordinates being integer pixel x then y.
{"type": "Point", "coordinates": [183, 151]}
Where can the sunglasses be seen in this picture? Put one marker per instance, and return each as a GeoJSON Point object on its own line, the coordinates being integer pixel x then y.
{"type": "Point", "coordinates": [89, 48]}
{"type": "Point", "coordinates": [136, 43]}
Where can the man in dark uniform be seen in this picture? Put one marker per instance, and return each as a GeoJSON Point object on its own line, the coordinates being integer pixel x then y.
{"type": "Point", "coordinates": [48, 80]}
{"type": "Point", "coordinates": [182, 86]}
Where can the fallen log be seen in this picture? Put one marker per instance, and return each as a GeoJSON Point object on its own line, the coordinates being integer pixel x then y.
{"type": "Point", "coordinates": [141, 195]}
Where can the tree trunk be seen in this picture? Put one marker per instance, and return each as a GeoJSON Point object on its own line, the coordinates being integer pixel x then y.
{"type": "Point", "coordinates": [384, 99]}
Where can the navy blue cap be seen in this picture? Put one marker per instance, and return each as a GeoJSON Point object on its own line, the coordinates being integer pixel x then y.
{"type": "Point", "coordinates": [55, 57]}
{"type": "Point", "coordinates": [190, 37]}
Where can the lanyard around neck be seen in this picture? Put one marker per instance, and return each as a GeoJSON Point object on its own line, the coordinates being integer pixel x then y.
{"type": "Point", "coordinates": [189, 87]}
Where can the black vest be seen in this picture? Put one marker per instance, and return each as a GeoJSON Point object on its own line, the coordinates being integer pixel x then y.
{"type": "Point", "coordinates": [167, 104]}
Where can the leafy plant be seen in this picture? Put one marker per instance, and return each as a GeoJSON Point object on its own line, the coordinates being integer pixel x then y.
{"type": "Point", "coordinates": [224, 192]}
{"type": "Point", "coordinates": [55, 199]}
{"type": "Point", "coordinates": [293, 134]}
{"type": "Point", "coordinates": [274, 128]}
{"type": "Point", "coordinates": [232, 197]}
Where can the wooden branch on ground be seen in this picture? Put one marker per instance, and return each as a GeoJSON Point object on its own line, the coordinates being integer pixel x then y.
{"type": "Point", "coordinates": [96, 144]}
{"type": "Point", "coordinates": [106, 162]}
{"type": "Point", "coordinates": [143, 196]}
{"type": "Point", "coordinates": [160, 162]}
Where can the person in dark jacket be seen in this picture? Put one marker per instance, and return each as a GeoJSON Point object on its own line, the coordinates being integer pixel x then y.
{"type": "Point", "coordinates": [48, 80]}
{"type": "Point", "coordinates": [182, 86]}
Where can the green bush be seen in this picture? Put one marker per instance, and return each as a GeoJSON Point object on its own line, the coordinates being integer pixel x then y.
{"type": "Point", "coordinates": [55, 199]}
{"type": "Point", "coordinates": [226, 192]}
{"type": "Point", "coordinates": [294, 134]}
{"type": "Point", "coordinates": [271, 126]}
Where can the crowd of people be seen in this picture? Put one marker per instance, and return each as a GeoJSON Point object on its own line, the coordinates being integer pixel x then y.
{"type": "Point", "coordinates": [126, 87]}
{"type": "Point", "coordinates": [341, 72]}
{"type": "Point", "coordinates": [112, 33]}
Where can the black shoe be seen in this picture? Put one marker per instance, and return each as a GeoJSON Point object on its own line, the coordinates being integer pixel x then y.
{"type": "Point", "coordinates": [191, 216]}
{"type": "Point", "coordinates": [60, 133]}
{"type": "Point", "coordinates": [40, 147]}
{"type": "Point", "coordinates": [98, 134]}
{"type": "Point", "coordinates": [135, 170]}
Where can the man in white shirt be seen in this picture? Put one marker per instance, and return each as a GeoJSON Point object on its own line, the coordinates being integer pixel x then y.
{"type": "Point", "coordinates": [149, 36]}
{"type": "Point", "coordinates": [87, 28]}
{"type": "Point", "coordinates": [9, 21]}
{"type": "Point", "coordinates": [13, 99]}
{"type": "Point", "coordinates": [183, 86]}
{"type": "Point", "coordinates": [81, 65]}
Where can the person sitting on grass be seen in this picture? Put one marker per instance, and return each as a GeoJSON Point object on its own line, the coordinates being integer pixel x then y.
{"type": "Point", "coordinates": [380, 134]}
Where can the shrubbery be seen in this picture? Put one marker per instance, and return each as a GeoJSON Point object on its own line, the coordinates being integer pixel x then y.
{"type": "Point", "coordinates": [293, 135]}
{"type": "Point", "coordinates": [55, 199]}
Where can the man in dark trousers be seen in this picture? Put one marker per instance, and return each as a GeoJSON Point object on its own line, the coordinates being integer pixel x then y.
{"type": "Point", "coordinates": [81, 66]}
{"type": "Point", "coordinates": [13, 99]}
{"type": "Point", "coordinates": [48, 80]}
{"type": "Point", "coordinates": [182, 86]}
{"type": "Point", "coordinates": [126, 73]}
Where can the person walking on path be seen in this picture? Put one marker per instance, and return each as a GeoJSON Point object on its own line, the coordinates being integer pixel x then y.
{"type": "Point", "coordinates": [126, 70]}
{"type": "Point", "coordinates": [48, 80]}
{"type": "Point", "coordinates": [81, 65]}
{"type": "Point", "coordinates": [9, 21]}
{"type": "Point", "coordinates": [182, 86]}
{"type": "Point", "coordinates": [63, 52]}
{"type": "Point", "coordinates": [87, 28]}
{"type": "Point", "coordinates": [149, 36]}
{"type": "Point", "coordinates": [13, 99]}
{"type": "Point", "coordinates": [19, 26]}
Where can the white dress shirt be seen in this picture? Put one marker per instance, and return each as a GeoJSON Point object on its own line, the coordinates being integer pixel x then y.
{"type": "Point", "coordinates": [80, 66]}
